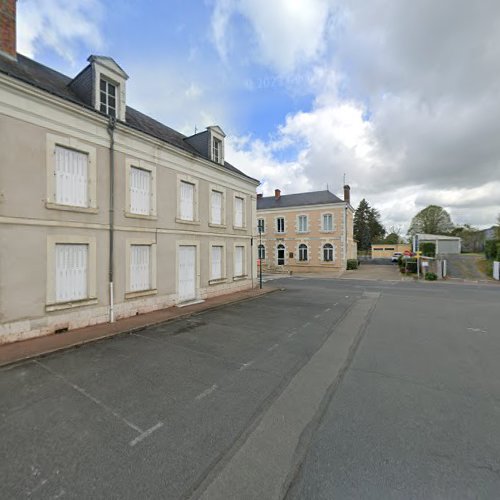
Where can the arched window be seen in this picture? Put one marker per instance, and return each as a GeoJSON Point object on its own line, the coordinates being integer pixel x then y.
{"type": "Point", "coordinates": [328, 252]}
{"type": "Point", "coordinates": [262, 252]}
{"type": "Point", "coordinates": [302, 253]}
{"type": "Point", "coordinates": [281, 255]}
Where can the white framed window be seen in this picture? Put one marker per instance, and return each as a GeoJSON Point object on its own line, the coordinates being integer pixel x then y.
{"type": "Point", "coordinates": [72, 261]}
{"type": "Point", "coordinates": [280, 224]}
{"type": "Point", "coordinates": [262, 252]}
{"type": "Point", "coordinates": [327, 224]}
{"type": "Point", "coordinates": [71, 175]}
{"type": "Point", "coordinates": [239, 212]}
{"type": "Point", "coordinates": [71, 272]}
{"type": "Point", "coordinates": [216, 207]}
{"type": "Point", "coordinates": [328, 252]}
{"type": "Point", "coordinates": [303, 253]}
{"type": "Point", "coordinates": [140, 268]}
{"type": "Point", "coordinates": [217, 259]}
{"type": "Point", "coordinates": [302, 225]}
{"type": "Point", "coordinates": [187, 201]}
{"type": "Point", "coordinates": [239, 261]}
{"type": "Point", "coordinates": [261, 226]}
{"type": "Point", "coordinates": [140, 191]}
{"type": "Point", "coordinates": [216, 150]}
{"type": "Point", "coordinates": [108, 94]}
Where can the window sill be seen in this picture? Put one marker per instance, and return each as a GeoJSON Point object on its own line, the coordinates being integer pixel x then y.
{"type": "Point", "coordinates": [59, 306]}
{"type": "Point", "coordinates": [240, 228]}
{"type": "Point", "coordinates": [131, 215]}
{"type": "Point", "coordinates": [239, 278]}
{"type": "Point", "coordinates": [280, 234]}
{"type": "Point", "coordinates": [220, 226]}
{"type": "Point", "coordinates": [303, 232]}
{"type": "Point", "coordinates": [329, 231]}
{"type": "Point", "coordinates": [70, 208]}
{"type": "Point", "coordinates": [190, 222]}
{"type": "Point", "coordinates": [217, 281]}
{"type": "Point", "coordinates": [140, 293]}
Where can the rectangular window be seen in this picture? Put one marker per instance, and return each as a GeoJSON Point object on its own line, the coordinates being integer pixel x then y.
{"type": "Point", "coordinates": [187, 201]}
{"type": "Point", "coordinates": [216, 273]}
{"type": "Point", "coordinates": [71, 177]}
{"type": "Point", "coordinates": [238, 261]}
{"type": "Point", "coordinates": [217, 150]}
{"type": "Point", "coordinates": [216, 207]}
{"type": "Point", "coordinates": [140, 191]}
{"type": "Point", "coordinates": [261, 227]}
{"type": "Point", "coordinates": [140, 267]}
{"type": "Point", "coordinates": [107, 97]}
{"type": "Point", "coordinates": [238, 212]}
{"type": "Point", "coordinates": [71, 272]}
{"type": "Point", "coordinates": [280, 225]}
{"type": "Point", "coordinates": [302, 223]}
{"type": "Point", "coordinates": [327, 222]}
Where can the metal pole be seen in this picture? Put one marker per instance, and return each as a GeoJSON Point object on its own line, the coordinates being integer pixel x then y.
{"type": "Point", "coordinates": [260, 254]}
{"type": "Point", "coordinates": [111, 130]}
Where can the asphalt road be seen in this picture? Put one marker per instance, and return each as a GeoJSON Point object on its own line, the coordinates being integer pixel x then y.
{"type": "Point", "coordinates": [412, 411]}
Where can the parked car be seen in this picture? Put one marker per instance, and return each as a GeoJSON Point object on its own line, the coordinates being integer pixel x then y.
{"type": "Point", "coordinates": [395, 256]}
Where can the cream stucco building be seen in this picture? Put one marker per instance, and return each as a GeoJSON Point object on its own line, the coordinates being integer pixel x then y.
{"type": "Point", "coordinates": [306, 232]}
{"type": "Point", "coordinates": [104, 212]}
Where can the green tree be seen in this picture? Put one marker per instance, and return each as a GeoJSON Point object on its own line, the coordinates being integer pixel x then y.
{"type": "Point", "coordinates": [392, 239]}
{"type": "Point", "coordinates": [367, 226]}
{"type": "Point", "coordinates": [431, 220]}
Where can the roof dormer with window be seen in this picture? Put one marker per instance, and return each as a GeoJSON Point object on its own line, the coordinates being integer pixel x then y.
{"type": "Point", "coordinates": [209, 143]}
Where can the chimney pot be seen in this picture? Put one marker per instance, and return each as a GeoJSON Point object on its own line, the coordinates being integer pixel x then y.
{"type": "Point", "coordinates": [347, 193]}
{"type": "Point", "coordinates": [277, 194]}
{"type": "Point", "coordinates": [8, 28]}
{"type": "Point", "coordinates": [259, 195]}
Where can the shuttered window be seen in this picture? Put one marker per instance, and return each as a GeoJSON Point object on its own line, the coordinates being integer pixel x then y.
{"type": "Point", "coordinates": [238, 212]}
{"type": "Point", "coordinates": [71, 177]}
{"type": "Point", "coordinates": [187, 201]}
{"type": "Point", "coordinates": [71, 272]}
{"type": "Point", "coordinates": [238, 261]}
{"type": "Point", "coordinates": [216, 207]}
{"type": "Point", "coordinates": [327, 222]}
{"type": "Point", "coordinates": [140, 267]}
{"type": "Point", "coordinates": [216, 263]}
{"type": "Point", "coordinates": [302, 223]}
{"type": "Point", "coordinates": [140, 191]}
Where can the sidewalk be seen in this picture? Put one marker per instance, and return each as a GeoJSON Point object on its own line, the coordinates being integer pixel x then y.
{"type": "Point", "coordinates": [26, 349]}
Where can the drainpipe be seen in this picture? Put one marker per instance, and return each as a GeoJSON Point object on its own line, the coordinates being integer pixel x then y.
{"type": "Point", "coordinates": [345, 236]}
{"type": "Point", "coordinates": [111, 132]}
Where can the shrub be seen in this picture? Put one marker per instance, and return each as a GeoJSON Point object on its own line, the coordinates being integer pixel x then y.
{"type": "Point", "coordinates": [352, 264]}
{"type": "Point", "coordinates": [431, 276]}
{"type": "Point", "coordinates": [491, 249]}
{"type": "Point", "coordinates": [428, 248]}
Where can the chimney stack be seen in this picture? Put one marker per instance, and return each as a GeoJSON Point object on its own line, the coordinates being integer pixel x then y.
{"type": "Point", "coordinates": [347, 193]}
{"type": "Point", "coordinates": [259, 195]}
{"type": "Point", "coordinates": [277, 194]}
{"type": "Point", "coordinates": [8, 28]}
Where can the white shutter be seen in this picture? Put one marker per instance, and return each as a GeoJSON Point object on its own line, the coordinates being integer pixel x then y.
{"type": "Point", "coordinates": [238, 261]}
{"type": "Point", "coordinates": [216, 207]}
{"type": "Point", "coordinates": [238, 212]}
{"type": "Point", "coordinates": [140, 191]}
{"type": "Point", "coordinates": [216, 263]}
{"type": "Point", "coordinates": [140, 267]}
{"type": "Point", "coordinates": [187, 201]}
{"type": "Point", "coordinates": [71, 177]}
{"type": "Point", "coordinates": [71, 272]}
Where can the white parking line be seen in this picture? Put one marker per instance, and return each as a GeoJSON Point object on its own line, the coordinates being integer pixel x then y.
{"type": "Point", "coordinates": [206, 392]}
{"type": "Point", "coordinates": [145, 434]}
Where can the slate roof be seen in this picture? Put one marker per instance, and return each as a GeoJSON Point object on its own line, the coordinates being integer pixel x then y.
{"type": "Point", "coordinates": [297, 200]}
{"type": "Point", "coordinates": [55, 83]}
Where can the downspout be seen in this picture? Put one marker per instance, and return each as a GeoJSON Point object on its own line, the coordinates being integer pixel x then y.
{"type": "Point", "coordinates": [111, 132]}
{"type": "Point", "coordinates": [345, 236]}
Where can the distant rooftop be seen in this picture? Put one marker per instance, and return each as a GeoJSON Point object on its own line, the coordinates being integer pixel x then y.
{"type": "Point", "coordinates": [297, 200]}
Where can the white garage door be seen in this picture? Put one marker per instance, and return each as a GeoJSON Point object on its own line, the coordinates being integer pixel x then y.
{"type": "Point", "coordinates": [187, 273]}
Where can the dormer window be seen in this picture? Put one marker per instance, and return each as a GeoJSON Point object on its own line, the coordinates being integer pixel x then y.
{"type": "Point", "coordinates": [108, 93]}
{"type": "Point", "coordinates": [217, 150]}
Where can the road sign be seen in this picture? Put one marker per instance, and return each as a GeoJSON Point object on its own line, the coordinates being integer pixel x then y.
{"type": "Point", "coordinates": [407, 253]}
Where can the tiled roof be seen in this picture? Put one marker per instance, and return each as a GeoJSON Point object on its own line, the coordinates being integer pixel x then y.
{"type": "Point", "coordinates": [57, 84]}
{"type": "Point", "coordinates": [297, 200]}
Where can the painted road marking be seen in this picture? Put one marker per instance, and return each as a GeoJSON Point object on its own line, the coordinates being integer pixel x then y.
{"type": "Point", "coordinates": [206, 392]}
{"type": "Point", "coordinates": [244, 366]}
{"type": "Point", "coordinates": [145, 434]}
{"type": "Point", "coordinates": [273, 347]}
{"type": "Point", "coordinates": [327, 309]}
{"type": "Point", "coordinates": [477, 330]}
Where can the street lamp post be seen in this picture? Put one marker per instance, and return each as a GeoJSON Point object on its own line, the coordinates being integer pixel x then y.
{"type": "Point", "coordinates": [260, 253]}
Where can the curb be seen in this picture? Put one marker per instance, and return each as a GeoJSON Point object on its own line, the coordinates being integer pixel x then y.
{"type": "Point", "coordinates": [131, 330]}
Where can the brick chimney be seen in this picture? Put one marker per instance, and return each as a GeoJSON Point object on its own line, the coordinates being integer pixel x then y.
{"type": "Point", "coordinates": [8, 28]}
{"type": "Point", "coordinates": [277, 194]}
{"type": "Point", "coordinates": [347, 193]}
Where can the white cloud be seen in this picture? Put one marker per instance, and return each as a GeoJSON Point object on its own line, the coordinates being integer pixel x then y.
{"type": "Point", "coordinates": [59, 25]}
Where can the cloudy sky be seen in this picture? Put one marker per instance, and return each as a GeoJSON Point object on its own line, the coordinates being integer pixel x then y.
{"type": "Point", "coordinates": [402, 97]}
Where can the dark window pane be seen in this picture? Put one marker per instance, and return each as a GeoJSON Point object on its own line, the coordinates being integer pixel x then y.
{"type": "Point", "coordinates": [103, 85]}
{"type": "Point", "coordinates": [111, 112]}
{"type": "Point", "coordinates": [103, 98]}
{"type": "Point", "coordinates": [111, 89]}
{"type": "Point", "coordinates": [103, 108]}
{"type": "Point", "coordinates": [112, 102]}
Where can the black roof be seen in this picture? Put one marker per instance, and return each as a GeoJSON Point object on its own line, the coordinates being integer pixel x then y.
{"type": "Point", "coordinates": [56, 83]}
{"type": "Point", "coordinates": [297, 200]}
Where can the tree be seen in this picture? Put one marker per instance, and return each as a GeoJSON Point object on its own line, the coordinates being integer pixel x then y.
{"type": "Point", "coordinates": [392, 238]}
{"type": "Point", "coordinates": [367, 226]}
{"type": "Point", "coordinates": [431, 220]}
